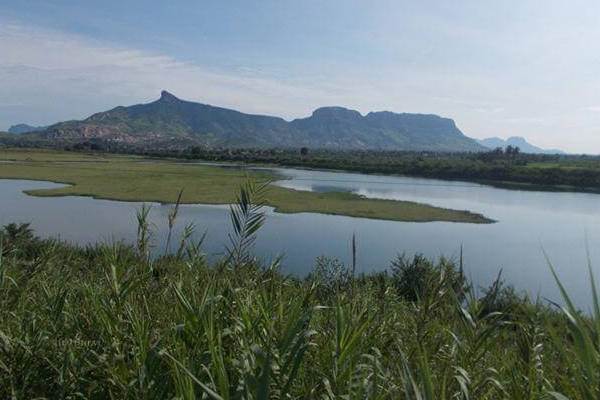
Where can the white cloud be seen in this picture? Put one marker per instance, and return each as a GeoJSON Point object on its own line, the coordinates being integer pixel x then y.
{"type": "Point", "coordinates": [54, 76]}
{"type": "Point", "coordinates": [526, 120]}
{"type": "Point", "coordinates": [489, 110]}
{"type": "Point", "coordinates": [48, 76]}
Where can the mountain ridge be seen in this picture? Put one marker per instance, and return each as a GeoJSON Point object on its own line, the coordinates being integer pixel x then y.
{"type": "Point", "coordinates": [24, 128]}
{"type": "Point", "coordinates": [518, 141]}
{"type": "Point", "coordinates": [172, 122]}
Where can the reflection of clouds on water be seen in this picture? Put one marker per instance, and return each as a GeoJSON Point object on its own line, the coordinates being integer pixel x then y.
{"type": "Point", "coordinates": [474, 197]}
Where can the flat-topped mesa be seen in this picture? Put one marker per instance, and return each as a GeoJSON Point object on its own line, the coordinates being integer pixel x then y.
{"type": "Point", "coordinates": [334, 111]}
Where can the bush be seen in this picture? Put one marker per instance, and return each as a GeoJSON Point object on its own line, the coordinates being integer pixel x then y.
{"type": "Point", "coordinates": [415, 278]}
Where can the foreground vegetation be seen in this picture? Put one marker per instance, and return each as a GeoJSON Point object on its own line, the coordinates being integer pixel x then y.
{"type": "Point", "coordinates": [136, 179]}
{"type": "Point", "coordinates": [108, 321]}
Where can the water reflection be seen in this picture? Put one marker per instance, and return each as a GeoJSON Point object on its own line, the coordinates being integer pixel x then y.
{"type": "Point", "coordinates": [526, 221]}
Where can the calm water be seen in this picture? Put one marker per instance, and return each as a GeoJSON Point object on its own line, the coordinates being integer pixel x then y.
{"type": "Point", "coordinates": [527, 221]}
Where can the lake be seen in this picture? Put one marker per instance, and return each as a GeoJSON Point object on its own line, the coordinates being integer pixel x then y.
{"type": "Point", "coordinates": [527, 221]}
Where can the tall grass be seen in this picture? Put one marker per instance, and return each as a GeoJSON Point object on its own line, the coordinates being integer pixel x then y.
{"type": "Point", "coordinates": [107, 321]}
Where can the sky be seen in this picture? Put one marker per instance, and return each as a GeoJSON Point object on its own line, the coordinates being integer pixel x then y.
{"type": "Point", "coordinates": [498, 68]}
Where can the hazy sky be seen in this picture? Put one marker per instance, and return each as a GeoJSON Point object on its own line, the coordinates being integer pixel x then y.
{"type": "Point", "coordinates": [499, 68]}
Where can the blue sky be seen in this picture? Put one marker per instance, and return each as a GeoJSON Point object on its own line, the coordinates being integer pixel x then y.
{"type": "Point", "coordinates": [502, 68]}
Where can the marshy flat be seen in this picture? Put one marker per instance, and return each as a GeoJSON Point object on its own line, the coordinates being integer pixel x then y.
{"type": "Point", "coordinates": [526, 221]}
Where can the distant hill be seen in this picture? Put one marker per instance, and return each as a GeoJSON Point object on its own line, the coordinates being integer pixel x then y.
{"type": "Point", "coordinates": [24, 128]}
{"type": "Point", "coordinates": [172, 122]}
{"type": "Point", "coordinates": [518, 141]}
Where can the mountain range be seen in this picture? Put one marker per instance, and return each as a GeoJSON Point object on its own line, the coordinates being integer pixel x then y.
{"type": "Point", "coordinates": [24, 128]}
{"type": "Point", "coordinates": [170, 122]}
{"type": "Point", "coordinates": [517, 141]}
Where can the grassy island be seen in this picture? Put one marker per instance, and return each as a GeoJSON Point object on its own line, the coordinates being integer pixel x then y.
{"type": "Point", "coordinates": [131, 178]}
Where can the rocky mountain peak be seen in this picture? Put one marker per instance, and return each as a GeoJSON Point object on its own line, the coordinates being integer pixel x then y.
{"type": "Point", "coordinates": [166, 96]}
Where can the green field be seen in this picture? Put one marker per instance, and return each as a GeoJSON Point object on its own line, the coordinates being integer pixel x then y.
{"type": "Point", "coordinates": [130, 178]}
